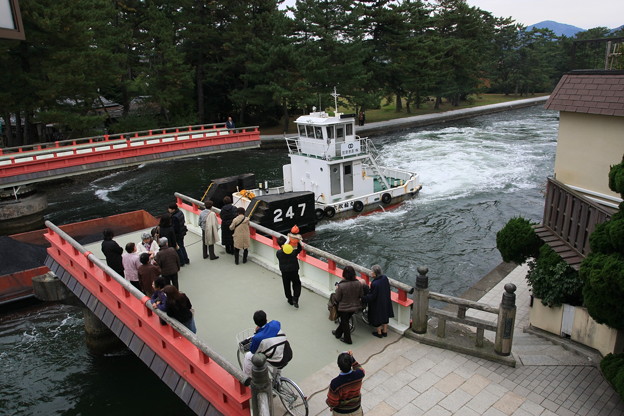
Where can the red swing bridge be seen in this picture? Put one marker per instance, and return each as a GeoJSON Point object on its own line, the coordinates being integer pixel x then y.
{"type": "Point", "coordinates": [45, 161]}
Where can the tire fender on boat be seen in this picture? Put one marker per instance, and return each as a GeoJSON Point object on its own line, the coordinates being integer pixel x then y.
{"type": "Point", "coordinates": [330, 212]}
{"type": "Point", "coordinates": [319, 213]}
{"type": "Point", "coordinates": [358, 206]}
{"type": "Point", "coordinates": [386, 198]}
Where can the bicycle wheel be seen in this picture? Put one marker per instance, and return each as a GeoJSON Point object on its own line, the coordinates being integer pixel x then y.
{"type": "Point", "coordinates": [241, 356]}
{"type": "Point", "coordinates": [292, 397]}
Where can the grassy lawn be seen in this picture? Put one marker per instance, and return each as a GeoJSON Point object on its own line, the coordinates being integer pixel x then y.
{"type": "Point", "coordinates": [387, 110]}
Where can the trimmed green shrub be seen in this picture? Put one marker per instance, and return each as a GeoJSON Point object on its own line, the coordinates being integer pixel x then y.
{"type": "Point", "coordinates": [602, 270]}
{"type": "Point", "coordinates": [517, 241]}
{"type": "Point", "coordinates": [618, 382]}
{"type": "Point", "coordinates": [616, 178]}
{"type": "Point", "coordinates": [599, 241]}
{"type": "Point", "coordinates": [611, 364]}
{"type": "Point", "coordinates": [553, 280]}
{"type": "Point", "coordinates": [603, 290]}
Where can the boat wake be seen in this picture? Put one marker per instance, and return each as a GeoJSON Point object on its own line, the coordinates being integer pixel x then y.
{"type": "Point", "coordinates": [104, 193]}
{"type": "Point", "coordinates": [457, 162]}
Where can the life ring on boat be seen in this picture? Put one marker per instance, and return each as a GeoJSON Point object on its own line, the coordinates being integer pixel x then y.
{"type": "Point", "coordinates": [386, 198]}
{"type": "Point", "coordinates": [319, 213]}
{"type": "Point", "coordinates": [358, 206]}
{"type": "Point", "coordinates": [330, 212]}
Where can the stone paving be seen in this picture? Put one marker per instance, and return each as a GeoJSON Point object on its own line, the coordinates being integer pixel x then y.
{"type": "Point", "coordinates": [411, 379]}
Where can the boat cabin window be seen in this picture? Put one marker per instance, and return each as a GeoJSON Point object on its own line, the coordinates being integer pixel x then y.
{"type": "Point", "coordinates": [340, 132]}
{"type": "Point", "coordinates": [349, 129]}
{"type": "Point", "coordinates": [318, 132]}
{"type": "Point", "coordinates": [302, 130]}
{"type": "Point", "coordinates": [330, 132]}
{"type": "Point", "coordinates": [310, 131]}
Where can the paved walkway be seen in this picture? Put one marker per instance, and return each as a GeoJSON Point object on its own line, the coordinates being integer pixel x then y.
{"type": "Point", "coordinates": [409, 378]}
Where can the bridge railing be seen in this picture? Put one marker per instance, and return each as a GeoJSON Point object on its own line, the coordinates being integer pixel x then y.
{"type": "Point", "coordinates": [98, 143]}
{"type": "Point", "coordinates": [503, 326]}
{"type": "Point", "coordinates": [211, 375]}
{"type": "Point", "coordinates": [61, 159]}
{"type": "Point", "coordinates": [319, 270]}
{"type": "Point", "coordinates": [171, 131]}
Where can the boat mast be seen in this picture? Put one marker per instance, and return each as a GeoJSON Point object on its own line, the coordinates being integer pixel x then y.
{"type": "Point", "coordinates": [335, 95]}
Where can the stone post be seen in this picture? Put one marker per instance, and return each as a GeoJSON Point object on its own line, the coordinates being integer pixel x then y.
{"type": "Point", "coordinates": [421, 302]}
{"type": "Point", "coordinates": [506, 321]}
{"type": "Point", "coordinates": [99, 338]}
{"type": "Point", "coordinates": [261, 389]}
{"type": "Point", "coordinates": [49, 288]}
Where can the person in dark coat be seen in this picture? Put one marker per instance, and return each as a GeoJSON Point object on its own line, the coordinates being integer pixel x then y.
{"type": "Point", "coordinates": [348, 295]}
{"type": "Point", "coordinates": [228, 213]}
{"type": "Point", "coordinates": [112, 251]}
{"type": "Point", "coordinates": [289, 266]}
{"type": "Point", "coordinates": [379, 302]}
{"type": "Point", "coordinates": [148, 273]}
{"type": "Point", "coordinates": [165, 229]}
{"type": "Point", "coordinates": [178, 306]}
{"type": "Point", "coordinates": [168, 261]}
{"type": "Point", "coordinates": [179, 228]}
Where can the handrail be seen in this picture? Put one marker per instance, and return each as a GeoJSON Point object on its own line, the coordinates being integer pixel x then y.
{"type": "Point", "coordinates": [466, 303]}
{"type": "Point", "coordinates": [197, 369]}
{"type": "Point", "coordinates": [108, 141]}
{"type": "Point", "coordinates": [307, 247]}
{"type": "Point", "coordinates": [503, 326]}
{"type": "Point", "coordinates": [121, 136]}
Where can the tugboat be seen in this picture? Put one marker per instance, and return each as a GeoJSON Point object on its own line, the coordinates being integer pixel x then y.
{"type": "Point", "coordinates": [333, 173]}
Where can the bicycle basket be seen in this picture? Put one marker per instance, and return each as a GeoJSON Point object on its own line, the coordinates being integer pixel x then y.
{"type": "Point", "coordinates": [243, 339]}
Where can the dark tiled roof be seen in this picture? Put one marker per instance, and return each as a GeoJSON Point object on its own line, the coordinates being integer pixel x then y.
{"type": "Point", "coordinates": [589, 93]}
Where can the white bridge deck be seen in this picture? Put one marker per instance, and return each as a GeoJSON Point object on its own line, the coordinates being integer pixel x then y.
{"type": "Point", "coordinates": [225, 296]}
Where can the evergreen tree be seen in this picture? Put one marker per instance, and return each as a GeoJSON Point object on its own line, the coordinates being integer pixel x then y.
{"type": "Point", "coordinates": [59, 67]}
{"type": "Point", "coordinates": [329, 36]}
{"type": "Point", "coordinates": [467, 33]}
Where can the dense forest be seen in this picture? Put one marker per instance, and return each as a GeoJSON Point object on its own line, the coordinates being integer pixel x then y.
{"type": "Point", "coordinates": [179, 62]}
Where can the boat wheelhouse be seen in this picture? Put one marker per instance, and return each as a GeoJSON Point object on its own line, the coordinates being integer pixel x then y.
{"type": "Point", "coordinates": [341, 168]}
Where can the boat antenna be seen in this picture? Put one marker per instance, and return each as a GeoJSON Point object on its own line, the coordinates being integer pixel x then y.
{"type": "Point", "coordinates": [335, 95]}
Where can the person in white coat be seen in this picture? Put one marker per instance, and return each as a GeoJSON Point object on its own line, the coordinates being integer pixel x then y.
{"type": "Point", "coordinates": [210, 230]}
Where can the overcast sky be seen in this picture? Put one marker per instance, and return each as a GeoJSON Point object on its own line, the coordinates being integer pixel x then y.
{"type": "Point", "coordinates": [585, 14]}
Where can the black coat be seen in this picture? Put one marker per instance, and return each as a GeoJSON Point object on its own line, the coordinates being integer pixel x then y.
{"type": "Point", "coordinates": [228, 213]}
{"type": "Point", "coordinates": [170, 234]}
{"type": "Point", "coordinates": [379, 302]}
{"type": "Point", "coordinates": [288, 262]}
{"type": "Point", "coordinates": [112, 251]}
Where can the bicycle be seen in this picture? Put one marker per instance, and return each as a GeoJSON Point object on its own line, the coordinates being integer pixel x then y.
{"type": "Point", "coordinates": [291, 396]}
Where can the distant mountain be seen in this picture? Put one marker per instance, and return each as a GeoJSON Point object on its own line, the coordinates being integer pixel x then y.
{"type": "Point", "coordinates": [559, 29]}
{"type": "Point", "coordinates": [615, 30]}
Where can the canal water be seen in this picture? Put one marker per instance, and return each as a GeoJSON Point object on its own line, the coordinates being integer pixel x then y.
{"type": "Point", "coordinates": [476, 175]}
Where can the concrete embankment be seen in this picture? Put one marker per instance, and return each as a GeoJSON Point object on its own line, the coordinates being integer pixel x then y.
{"type": "Point", "coordinates": [380, 127]}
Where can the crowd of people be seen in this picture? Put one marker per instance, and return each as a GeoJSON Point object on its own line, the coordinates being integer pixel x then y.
{"type": "Point", "coordinates": [152, 266]}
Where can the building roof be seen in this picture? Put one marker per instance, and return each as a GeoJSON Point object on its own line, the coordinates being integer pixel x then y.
{"type": "Point", "coordinates": [589, 92]}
